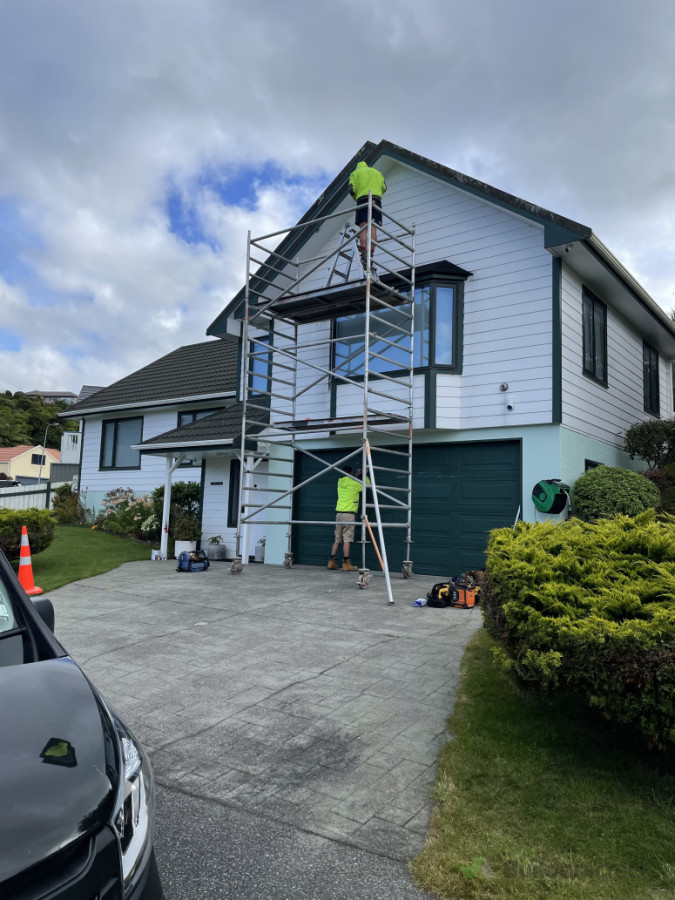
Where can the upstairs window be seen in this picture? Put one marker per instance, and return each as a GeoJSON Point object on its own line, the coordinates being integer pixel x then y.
{"type": "Point", "coordinates": [117, 437]}
{"type": "Point", "coordinates": [595, 337]}
{"type": "Point", "coordinates": [186, 418]}
{"type": "Point", "coordinates": [650, 368]}
{"type": "Point", "coordinates": [435, 338]}
{"type": "Point", "coordinates": [37, 459]}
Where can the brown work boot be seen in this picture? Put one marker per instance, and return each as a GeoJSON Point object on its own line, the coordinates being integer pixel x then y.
{"type": "Point", "coordinates": [348, 567]}
{"type": "Point", "coordinates": [332, 564]}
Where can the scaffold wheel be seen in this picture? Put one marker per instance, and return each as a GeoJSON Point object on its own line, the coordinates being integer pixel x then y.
{"type": "Point", "coordinates": [407, 570]}
{"type": "Point", "coordinates": [288, 560]}
{"type": "Point", "coordinates": [364, 579]}
{"type": "Point", "coordinates": [236, 566]}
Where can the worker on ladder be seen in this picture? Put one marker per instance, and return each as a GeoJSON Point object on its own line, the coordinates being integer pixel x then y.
{"type": "Point", "coordinates": [364, 180]}
{"type": "Point", "coordinates": [348, 496]}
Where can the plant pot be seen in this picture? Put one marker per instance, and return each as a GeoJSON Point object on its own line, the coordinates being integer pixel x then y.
{"type": "Point", "coordinates": [184, 546]}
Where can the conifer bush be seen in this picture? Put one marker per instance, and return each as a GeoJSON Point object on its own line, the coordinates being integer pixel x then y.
{"type": "Point", "coordinates": [590, 607]}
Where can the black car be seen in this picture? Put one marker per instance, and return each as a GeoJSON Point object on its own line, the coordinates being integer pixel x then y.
{"type": "Point", "coordinates": [76, 789]}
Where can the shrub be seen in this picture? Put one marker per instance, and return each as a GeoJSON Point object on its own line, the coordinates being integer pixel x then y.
{"type": "Point", "coordinates": [607, 491]}
{"type": "Point", "coordinates": [591, 608]}
{"type": "Point", "coordinates": [653, 441]}
{"type": "Point", "coordinates": [184, 512]}
{"type": "Point", "coordinates": [67, 506]}
{"type": "Point", "coordinates": [123, 513]}
{"type": "Point", "coordinates": [39, 524]}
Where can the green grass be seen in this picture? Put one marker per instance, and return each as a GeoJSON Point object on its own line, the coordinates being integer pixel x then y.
{"type": "Point", "coordinates": [81, 553]}
{"type": "Point", "coordinates": [555, 801]}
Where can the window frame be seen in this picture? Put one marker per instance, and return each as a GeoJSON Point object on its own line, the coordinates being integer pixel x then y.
{"type": "Point", "coordinates": [114, 423]}
{"type": "Point", "coordinates": [432, 282]}
{"type": "Point", "coordinates": [38, 459]}
{"type": "Point", "coordinates": [650, 380]}
{"type": "Point", "coordinates": [596, 305]}
{"type": "Point", "coordinates": [202, 413]}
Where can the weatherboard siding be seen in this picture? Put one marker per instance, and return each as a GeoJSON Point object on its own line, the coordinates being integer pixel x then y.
{"type": "Point", "coordinates": [153, 468]}
{"type": "Point", "coordinates": [588, 407]}
{"type": "Point", "coordinates": [507, 331]}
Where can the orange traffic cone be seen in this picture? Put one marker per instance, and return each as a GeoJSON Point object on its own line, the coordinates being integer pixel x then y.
{"type": "Point", "coordinates": [26, 566]}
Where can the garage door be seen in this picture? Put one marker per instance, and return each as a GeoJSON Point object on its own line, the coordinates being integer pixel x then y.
{"type": "Point", "coordinates": [460, 492]}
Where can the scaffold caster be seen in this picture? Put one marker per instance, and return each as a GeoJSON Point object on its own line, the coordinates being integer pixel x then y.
{"type": "Point", "coordinates": [288, 560]}
{"type": "Point", "coordinates": [236, 566]}
{"type": "Point", "coordinates": [364, 578]}
{"type": "Point", "coordinates": [407, 569]}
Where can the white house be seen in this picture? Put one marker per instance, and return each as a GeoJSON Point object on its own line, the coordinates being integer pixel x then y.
{"type": "Point", "coordinates": [533, 351]}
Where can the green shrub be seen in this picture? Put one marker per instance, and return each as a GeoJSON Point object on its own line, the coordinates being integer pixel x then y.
{"type": "Point", "coordinates": [39, 524]}
{"type": "Point", "coordinates": [67, 506]}
{"type": "Point", "coordinates": [653, 441]}
{"type": "Point", "coordinates": [591, 608]}
{"type": "Point", "coordinates": [607, 491]}
{"type": "Point", "coordinates": [184, 512]}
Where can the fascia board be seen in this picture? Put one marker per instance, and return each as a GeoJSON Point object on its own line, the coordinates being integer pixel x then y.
{"type": "Point", "coordinates": [151, 404]}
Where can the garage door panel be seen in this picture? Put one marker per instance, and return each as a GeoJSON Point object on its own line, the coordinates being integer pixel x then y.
{"type": "Point", "coordinates": [460, 492]}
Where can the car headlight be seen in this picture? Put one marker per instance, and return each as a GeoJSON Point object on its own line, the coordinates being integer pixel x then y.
{"type": "Point", "coordinates": [133, 815]}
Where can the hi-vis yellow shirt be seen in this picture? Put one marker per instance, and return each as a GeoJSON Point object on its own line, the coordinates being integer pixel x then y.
{"type": "Point", "coordinates": [348, 490]}
{"type": "Point", "coordinates": [364, 179]}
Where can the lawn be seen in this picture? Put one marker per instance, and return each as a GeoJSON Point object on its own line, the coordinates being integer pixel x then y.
{"type": "Point", "coordinates": [81, 553]}
{"type": "Point", "coordinates": [538, 797]}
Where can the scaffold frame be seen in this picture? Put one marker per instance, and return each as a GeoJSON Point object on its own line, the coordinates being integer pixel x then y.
{"type": "Point", "coordinates": [282, 364]}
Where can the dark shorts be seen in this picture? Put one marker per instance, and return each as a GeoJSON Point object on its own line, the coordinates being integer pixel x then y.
{"type": "Point", "coordinates": [362, 211]}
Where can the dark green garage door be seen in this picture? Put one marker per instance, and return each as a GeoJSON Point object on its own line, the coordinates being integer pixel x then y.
{"type": "Point", "coordinates": [460, 492]}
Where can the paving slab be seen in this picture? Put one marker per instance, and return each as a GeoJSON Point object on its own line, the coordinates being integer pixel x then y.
{"type": "Point", "coordinates": [290, 693]}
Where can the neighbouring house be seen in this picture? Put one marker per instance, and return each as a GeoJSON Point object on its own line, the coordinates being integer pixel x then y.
{"type": "Point", "coordinates": [533, 351]}
{"type": "Point", "coordinates": [54, 396]}
{"type": "Point", "coordinates": [28, 464]}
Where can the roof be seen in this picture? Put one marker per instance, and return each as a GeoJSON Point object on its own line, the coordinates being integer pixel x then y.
{"type": "Point", "coordinates": [9, 453]}
{"type": "Point", "coordinates": [203, 371]}
{"type": "Point", "coordinates": [220, 429]}
{"type": "Point", "coordinates": [582, 251]}
{"type": "Point", "coordinates": [87, 390]}
{"type": "Point", "coordinates": [558, 229]}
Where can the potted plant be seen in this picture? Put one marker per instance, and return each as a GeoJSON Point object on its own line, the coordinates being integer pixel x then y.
{"type": "Point", "coordinates": [186, 530]}
{"type": "Point", "coordinates": [217, 548]}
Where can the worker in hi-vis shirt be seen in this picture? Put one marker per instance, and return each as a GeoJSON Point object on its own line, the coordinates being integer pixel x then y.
{"type": "Point", "coordinates": [348, 496]}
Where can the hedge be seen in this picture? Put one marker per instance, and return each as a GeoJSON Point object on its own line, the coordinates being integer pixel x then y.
{"type": "Point", "coordinates": [591, 608]}
{"type": "Point", "coordinates": [38, 522]}
{"type": "Point", "coordinates": [611, 490]}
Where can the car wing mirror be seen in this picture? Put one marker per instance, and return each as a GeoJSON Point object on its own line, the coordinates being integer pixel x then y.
{"type": "Point", "coordinates": [45, 610]}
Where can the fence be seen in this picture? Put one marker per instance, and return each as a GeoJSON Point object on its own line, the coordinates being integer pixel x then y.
{"type": "Point", "coordinates": [38, 496]}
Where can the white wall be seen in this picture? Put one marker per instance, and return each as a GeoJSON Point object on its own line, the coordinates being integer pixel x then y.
{"type": "Point", "coordinates": [97, 482]}
{"type": "Point", "coordinates": [604, 413]}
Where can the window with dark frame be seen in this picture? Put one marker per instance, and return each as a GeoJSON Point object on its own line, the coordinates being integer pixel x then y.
{"type": "Point", "coordinates": [260, 367]}
{"type": "Point", "coordinates": [186, 418]}
{"type": "Point", "coordinates": [37, 459]}
{"type": "Point", "coordinates": [117, 437]}
{"type": "Point", "coordinates": [594, 337]}
{"type": "Point", "coordinates": [650, 369]}
{"type": "Point", "coordinates": [435, 312]}
{"type": "Point", "coordinates": [233, 497]}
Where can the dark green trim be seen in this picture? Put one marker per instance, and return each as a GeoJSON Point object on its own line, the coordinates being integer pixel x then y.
{"type": "Point", "coordinates": [430, 398]}
{"type": "Point", "coordinates": [650, 387]}
{"type": "Point", "coordinates": [333, 397]}
{"type": "Point", "coordinates": [240, 374]}
{"type": "Point", "coordinates": [556, 341]}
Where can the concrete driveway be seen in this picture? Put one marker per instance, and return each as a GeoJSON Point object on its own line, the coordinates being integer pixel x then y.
{"type": "Point", "coordinates": [288, 695]}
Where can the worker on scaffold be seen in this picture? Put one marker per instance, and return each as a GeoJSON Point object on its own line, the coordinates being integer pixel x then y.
{"type": "Point", "coordinates": [348, 496]}
{"type": "Point", "coordinates": [364, 180]}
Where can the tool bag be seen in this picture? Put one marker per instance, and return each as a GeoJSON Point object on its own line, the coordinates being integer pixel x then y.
{"type": "Point", "coordinates": [456, 592]}
{"type": "Point", "coordinates": [193, 561]}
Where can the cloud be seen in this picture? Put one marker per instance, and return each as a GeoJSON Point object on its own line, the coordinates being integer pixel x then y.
{"type": "Point", "coordinates": [140, 141]}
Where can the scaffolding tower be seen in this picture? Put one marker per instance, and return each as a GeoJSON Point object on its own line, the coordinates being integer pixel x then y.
{"type": "Point", "coordinates": [358, 348]}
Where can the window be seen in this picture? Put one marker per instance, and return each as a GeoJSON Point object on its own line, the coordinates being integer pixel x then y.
{"type": "Point", "coordinates": [117, 436]}
{"type": "Point", "coordinates": [186, 418]}
{"type": "Point", "coordinates": [259, 359]}
{"type": "Point", "coordinates": [37, 459]}
{"type": "Point", "coordinates": [233, 497]}
{"type": "Point", "coordinates": [434, 341]}
{"type": "Point", "coordinates": [595, 337]}
{"type": "Point", "coordinates": [650, 368]}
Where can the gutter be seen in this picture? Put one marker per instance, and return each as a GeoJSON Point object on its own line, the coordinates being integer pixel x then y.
{"type": "Point", "coordinates": [148, 403]}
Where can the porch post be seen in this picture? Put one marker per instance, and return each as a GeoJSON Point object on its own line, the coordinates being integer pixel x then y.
{"type": "Point", "coordinates": [171, 464]}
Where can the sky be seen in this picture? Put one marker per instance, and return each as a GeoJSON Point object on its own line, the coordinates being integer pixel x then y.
{"type": "Point", "coordinates": [140, 141]}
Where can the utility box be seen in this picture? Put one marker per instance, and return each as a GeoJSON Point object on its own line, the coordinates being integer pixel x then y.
{"type": "Point", "coordinates": [550, 495]}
